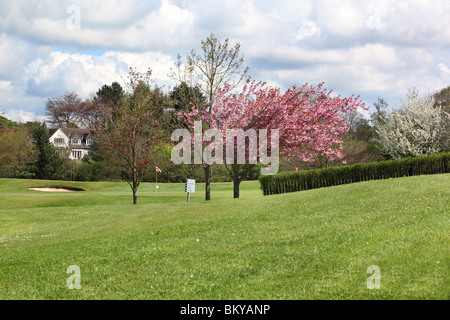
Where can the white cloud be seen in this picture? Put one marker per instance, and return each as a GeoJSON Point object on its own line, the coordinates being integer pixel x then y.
{"type": "Point", "coordinates": [114, 24]}
{"type": "Point", "coordinates": [22, 116]}
{"type": "Point", "coordinates": [85, 74]}
{"type": "Point", "coordinates": [59, 72]}
{"type": "Point", "coordinates": [5, 86]}
{"type": "Point", "coordinates": [444, 68]}
{"type": "Point", "coordinates": [373, 48]}
{"type": "Point", "coordinates": [341, 18]}
{"type": "Point", "coordinates": [13, 55]}
{"type": "Point", "coordinates": [376, 11]}
{"type": "Point", "coordinates": [307, 29]}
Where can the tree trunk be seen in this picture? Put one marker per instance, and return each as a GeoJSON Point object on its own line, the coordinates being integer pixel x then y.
{"type": "Point", "coordinates": [208, 174]}
{"type": "Point", "coordinates": [236, 183]}
{"type": "Point", "coordinates": [134, 196]}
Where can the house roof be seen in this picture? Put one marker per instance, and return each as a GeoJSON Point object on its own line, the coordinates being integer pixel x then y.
{"type": "Point", "coordinates": [51, 131]}
{"type": "Point", "coordinates": [70, 132]}
{"type": "Point", "coordinates": [73, 132]}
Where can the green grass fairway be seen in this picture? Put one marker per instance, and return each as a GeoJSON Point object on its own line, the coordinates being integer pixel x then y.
{"type": "Point", "coordinates": [315, 244]}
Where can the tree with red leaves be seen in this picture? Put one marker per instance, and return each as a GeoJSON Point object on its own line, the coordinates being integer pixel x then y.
{"type": "Point", "coordinates": [309, 121]}
{"type": "Point", "coordinates": [65, 111]}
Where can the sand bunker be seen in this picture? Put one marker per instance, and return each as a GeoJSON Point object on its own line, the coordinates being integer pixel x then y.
{"type": "Point", "coordinates": [55, 189]}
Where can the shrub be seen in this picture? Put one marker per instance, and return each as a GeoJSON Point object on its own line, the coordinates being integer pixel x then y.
{"type": "Point", "coordinates": [319, 178]}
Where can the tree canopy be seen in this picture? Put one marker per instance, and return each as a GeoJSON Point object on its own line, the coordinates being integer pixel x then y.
{"type": "Point", "coordinates": [417, 128]}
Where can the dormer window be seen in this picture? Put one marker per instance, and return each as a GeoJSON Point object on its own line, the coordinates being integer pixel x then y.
{"type": "Point", "coordinates": [76, 141]}
{"type": "Point", "coordinates": [89, 142]}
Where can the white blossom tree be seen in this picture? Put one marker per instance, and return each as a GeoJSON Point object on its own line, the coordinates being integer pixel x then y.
{"type": "Point", "coordinates": [418, 128]}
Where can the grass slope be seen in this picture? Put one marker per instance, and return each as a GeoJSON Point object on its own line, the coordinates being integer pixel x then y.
{"type": "Point", "coordinates": [315, 244]}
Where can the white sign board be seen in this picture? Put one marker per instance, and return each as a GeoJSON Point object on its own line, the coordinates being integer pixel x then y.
{"type": "Point", "coordinates": [190, 186]}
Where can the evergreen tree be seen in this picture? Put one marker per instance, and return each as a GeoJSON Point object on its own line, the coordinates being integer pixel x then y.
{"type": "Point", "coordinates": [48, 163]}
{"type": "Point", "coordinates": [111, 94]}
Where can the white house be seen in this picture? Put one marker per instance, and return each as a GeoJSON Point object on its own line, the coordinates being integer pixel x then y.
{"type": "Point", "coordinates": [71, 142]}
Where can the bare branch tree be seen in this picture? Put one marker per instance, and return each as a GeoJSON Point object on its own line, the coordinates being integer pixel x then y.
{"type": "Point", "coordinates": [64, 111]}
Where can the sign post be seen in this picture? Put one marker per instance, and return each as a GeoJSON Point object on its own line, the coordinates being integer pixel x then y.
{"type": "Point", "coordinates": [189, 188]}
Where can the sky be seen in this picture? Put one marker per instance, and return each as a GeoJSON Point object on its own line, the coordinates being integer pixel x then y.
{"type": "Point", "coordinates": [375, 48]}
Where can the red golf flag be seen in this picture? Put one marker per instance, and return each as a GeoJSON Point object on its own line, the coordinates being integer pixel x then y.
{"type": "Point", "coordinates": [158, 169]}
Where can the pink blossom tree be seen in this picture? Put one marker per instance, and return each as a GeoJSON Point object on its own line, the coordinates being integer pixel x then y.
{"type": "Point", "coordinates": [308, 121]}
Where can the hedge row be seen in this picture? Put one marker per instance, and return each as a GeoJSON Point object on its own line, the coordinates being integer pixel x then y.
{"type": "Point", "coordinates": [318, 178]}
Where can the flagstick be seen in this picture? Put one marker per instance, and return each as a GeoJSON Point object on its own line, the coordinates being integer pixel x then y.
{"type": "Point", "coordinates": [156, 189]}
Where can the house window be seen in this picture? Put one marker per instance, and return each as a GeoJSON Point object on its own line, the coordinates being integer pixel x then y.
{"type": "Point", "coordinates": [89, 142]}
{"type": "Point", "coordinates": [76, 141]}
{"type": "Point", "coordinates": [76, 155]}
{"type": "Point", "coordinates": [59, 141]}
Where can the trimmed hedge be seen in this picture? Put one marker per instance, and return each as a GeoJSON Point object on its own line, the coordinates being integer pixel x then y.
{"type": "Point", "coordinates": [333, 176]}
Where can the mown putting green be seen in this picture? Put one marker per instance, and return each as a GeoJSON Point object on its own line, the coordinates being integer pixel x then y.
{"type": "Point", "coordinates": [316, 244]}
